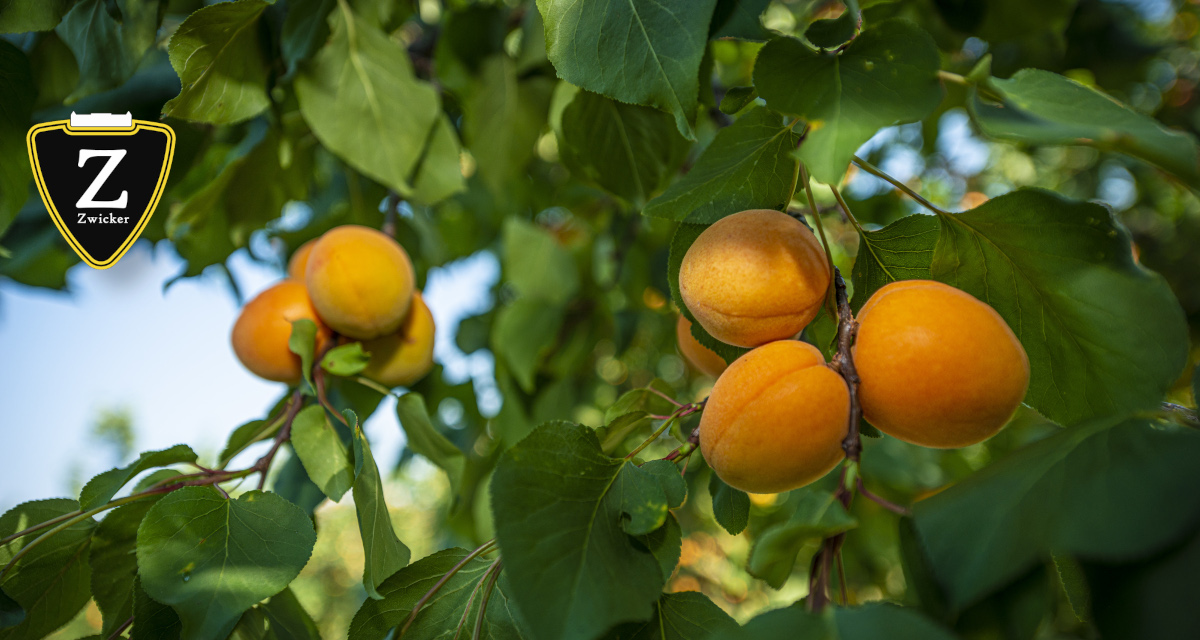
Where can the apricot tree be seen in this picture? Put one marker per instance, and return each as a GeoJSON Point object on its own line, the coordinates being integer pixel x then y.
{"type": "Point", "coordinates": [930, 386]}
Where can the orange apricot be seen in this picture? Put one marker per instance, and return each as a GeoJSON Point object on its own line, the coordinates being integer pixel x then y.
{"type": "Point", "coordinates": [298, 264]}
{"type": "Point", "coordinates": [754, 277]}
{"type": "Point", "coordinates": [261, 332]}
{"type": "Point", "coordinates": [939, 368]}
{"type": "Point", "coordinates": [360, 280]}
{"type": "Point", "coordinates": [776, 418]}
{"type": "Point", "coordinates": [705, 360]}
{"type": "Point", "coordinates": [403, 357]}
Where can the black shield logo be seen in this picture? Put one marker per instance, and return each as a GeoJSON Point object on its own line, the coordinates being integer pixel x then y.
{"type": "Point", "coordinates": [101, 178]}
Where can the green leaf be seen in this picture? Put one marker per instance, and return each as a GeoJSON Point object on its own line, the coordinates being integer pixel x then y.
{"type": "Point", "coordinates": [559, 502]}
{"type": "Point", "coordinates": [818, 515]}
{"type": "Point", "coordinates": [504, 117]}
{"type": "Point", "coordinates": [246, 435]}
{"type": "Point", "coordinates": [442, 613]}
{"type": "Point", "coordinates": [741, 19]}
{"type": "Point", "coordinates": [902, 250]}
{"type": "Point", "coordinates": [211, 558]}
{"type": "Point", "coordinates": [221, 64]}
{"type": "Point", "coordinates": [886, 76]}
{"type": "Point", "coordinates": [1108, 490]}
{"type": "Point", "coordinates": [594, 44]}
{"type": "Point", "coordinates": [303, 342]}
{"type": "Point", "coordinates": [738, 98]}
{"type": "Point", "coordinates": [731, 507]}
{"type": "Point", "coordinates": [103, 487]}
{"type": "Point", "coordinates": [280, 618]}
{"type": "Point", "coordinates": [628, 150]}
{"type": "Point", "coordinates": [1148, 599]}
{"type": "Point", "coordinates": [424, 439]}
{"type": "Point", "coordinates": [155, 621]}
{"type": "Point", "coordinates": [50, 583]}
{"type": "Point", "coordinates": [1104, 336]}
{"type": "Point", "coordinates": [867, 622]}
{"type": "Point", "coordinates": [293, 484]}
{"type": "Point", "coordinates": [644, 400]}
{"type": "Point", "coordinates": [748, 165]}
{"type": "Point", "coordinates": [346, 360]}
{"type": "Point", "coordinates": [536, 265]}
{"type": "Point", "coordinates": [17, 93]}
{"type": "Point", "coordinates": [360, 90]}
{"type": "Point", "coordinates": [689, 615]}
{"type": "Point", "coordinates": [385, 554]}
{"type": "Point", "coordinates": [685, 234]}
{"type": "Point", "coordinates": [523, 335]}
{"type": "Point", "coordinates": [665, 544]}
{"type": "Point", "coordinates": [305, 29]}
{"type": "Point", "coordinates": [1040, 107]}
{"type": "Point", "coordinates": [832, 32]}
{"type": "Point", "coordinates": [440, 174]}
{"type": "Point", "coordinates": [1074, 585]}
{"type": "Point", "coordinates": [114, 564]}
{"type": "Point", "coordinates": [108, 51]}
{"type": "Point", "coordinates": [20, 16]}
{"type": "Point", "coordinates": [322, 452]}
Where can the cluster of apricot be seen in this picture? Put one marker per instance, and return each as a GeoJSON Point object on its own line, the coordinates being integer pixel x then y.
{"type": "Point", "coordinates": [938, 367]}
{"type": "Point", "coordinates": [355, 284]}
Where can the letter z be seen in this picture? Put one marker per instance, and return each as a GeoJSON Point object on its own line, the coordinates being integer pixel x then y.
{"type": "Point", "coordinates": [87, 200]}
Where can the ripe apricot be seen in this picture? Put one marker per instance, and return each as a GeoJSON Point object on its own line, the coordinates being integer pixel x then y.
{"type": "Point", "coordinates": [939, 368]}
{"type": "Point", "coordinates": [403, 357]}
{"type": "Point", "coordinates": [705, 360]}
{"type": "Point", "coordinates": [775, 419]}
{"type": "Point", "coordinates": [754, 277]}
{"type": "Point", "coordinates": [299, 261]}
{"type": "Point", "coordinates": [261, 332]}
{"type": "Point", "coordinates": [360, 280]}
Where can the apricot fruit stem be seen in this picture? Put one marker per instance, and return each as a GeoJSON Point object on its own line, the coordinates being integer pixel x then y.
{"type": "Point", "coordinates": [879, 173]}
{"type": "Point", "coordinates": [391, 213]}
{"type": "Point", "coordinates": [375, 386]}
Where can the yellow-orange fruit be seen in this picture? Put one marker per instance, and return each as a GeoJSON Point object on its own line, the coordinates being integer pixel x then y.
{"type": "Point", "coordinates": [261, 332]}
{"type": "Point", "coordinates": [754, 277]}
{"type": "Point", "coordinates": [360, 281]}
{"type": "Point", "coordinates": [299, 262]}
{"type": "Point", "coordinates": [705, 360]}
{"type": "Point", "coordinates": [938, 367]}
{"type": "Point", "coordinates": [775, 419]}
{"type": "Point", "coordinates": [403, 357]}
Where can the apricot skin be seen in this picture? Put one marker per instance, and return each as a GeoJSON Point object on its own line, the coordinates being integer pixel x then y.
{"type": "Point", "coordinates": [360, 280]}
{"type": "Point", "coordinates": [702, 358]}
{"type": "Point", "coordinates": [404, 357]}
{"type": "Point", "coordinates": [299, 261]}
{"type": "Point", "coordinates": [754, 277]}
{"type": "Point", "coordinates": [775, 419]}
{"type": "Point", "coordinates": [260, 334]}
{"type": "Point", "coordinates": [939, 368]}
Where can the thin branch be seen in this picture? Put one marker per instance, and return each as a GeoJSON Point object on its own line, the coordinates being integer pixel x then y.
{"type": "Point", "coordinates": [482, 549]}
{"type": "Point", "coordinates": [879, 173]}
{"type": "Point", "coordinates": [493, 574]}
{"type": "Point", "coordinates": [285, 432]}
{"type": "Point", "coordinates": [121, 629]}
{"type": "Point", "coordinates": [391, 213]}
{"type": "Point", "coordinates": [883, 502]}
{"type": "Point", "coordinates": [1182, 413]}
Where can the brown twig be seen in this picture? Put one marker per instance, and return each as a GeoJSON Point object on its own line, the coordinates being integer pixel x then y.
{"type": "Point", "coordinates": [263, 465]}
{"type": "Point", "coordinates": [121, 629]}
{"type": "Point", "coordinates": [883, 502]}
{"type": "Point", "coordinates": [391, 213]}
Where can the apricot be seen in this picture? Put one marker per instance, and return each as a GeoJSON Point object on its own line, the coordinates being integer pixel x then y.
{"type": "Point", "coordinates": [776, 418]}
{"type": "Point", "coordinates": [261, 332]}
{"type": "Point", "coordinates": [754, 277]}
{"type": "Point", "coordinates": [939, 368]}
{"type": "Point", "coordinates": [299, 261]}
{"type": "Point", "coordinates": [404, 357]}
{"type": "Point", "coordinates": [704, 360]}
{"type": "Point", "coordinates": [360, 280]}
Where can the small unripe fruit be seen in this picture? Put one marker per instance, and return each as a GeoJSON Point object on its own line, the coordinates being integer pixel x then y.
{"type": "Point", "coordinates": [938, 367]}
{"type": "Point", "coordinates": [298, 264]}
{"type": "Point", "coordinates": [360, 280]}
{"type": "Point", "coordinates": [776, 418]}
{"type": "Point", "coordinates": [754, 277]}
{"type": "Point", "coordinates": [261, 332]}
{"type": "Point", "coordinates": [705, 360]}
{"type": "Point", "coordinates": [404, 357]}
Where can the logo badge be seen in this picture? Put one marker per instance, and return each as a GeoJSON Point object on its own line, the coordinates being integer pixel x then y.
{"type": "Point", "coordinates": [100, 176]}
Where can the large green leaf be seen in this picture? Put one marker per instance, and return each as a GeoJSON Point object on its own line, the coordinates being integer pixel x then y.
{"type": "Point", "coordinates": [689, 615]}
{"type": "Point", "coordinates": [741, 19]}
{"type": "Point", "coordinates": [628, 150]}
{"type": "Point", "coordinates": [749, 165]}
{"type": "Point", "coordinates": [114, 563]}
{"type": "Point", "coordinates": [385, 553]}
{"type": "Point", "coordinates": [322, 452]}
{"type": "Point", "coordinates": [50, 583]}
{"type": "Point", "coordinates": [155, 620]}
{"type": "Point", "coordinates": [731, 507]}
{"type": "Point", "coordinates": [868, 622]}
{"type": "Point", "coordinates": [1109, 490]}
{"type": "Point", "coordinates": [440, 174]}
{"type": "Point", "coordinates": [108, 50]}
{"type": "Point", "coordinates": [361, 99]}
{"type": "Point", "coordinates": [17, 93]}
{"type": "Point", "coordinates": [221, 64]}
{"type": "Point", "coordinates": [280, 618]}
{"type": "Point", "coordinates": [503, 120]}
{"type": "Point", "coordinates": [424, 439]}
{"type": "Point", "coordinates": [902, 250]}
{"type": "Point", "coordinates": [19, 16]}
{"type": "Point", "coordinates": [536, 264]}
{"type": "Point", "coordinates": [1152, 598]}
{"type": "Point", "coordinates": [1041, 107]}
{"type": "Point", "coordinates": [638, 51]}
{"type": "Point", "coordinates": [211, 558]}
{"type": "Point", "coordinates": [305, 29]}
{"type": "Point", "coordinates": [559, 502]}
{"type": "Point", "coordinates": [103, 487]}
{"type": "Point", "coordinates": [886, 76]}
{"type": "Point", "coordinates": [818, 515]}
{"type": "Point", "coordinates": [1104, 336]}
{"type": "Point", "coordinates": [442, 613]}
{"type": "Point", "coordinates": [524, 333]}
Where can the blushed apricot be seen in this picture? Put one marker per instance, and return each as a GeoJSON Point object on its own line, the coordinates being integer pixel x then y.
{"type": "Point", "coordinates": [754, 277]}
{"type": "Point", "coordinates": [298, 264]}
{"type": "Point", "coordinates": [360, 280]}
{"type": "Point", "coordinates": [261, 332]}
{"type": "Point", "coordinates": [705, 360]}
{"type": "Point", "coordinates": [938, 367]}
{"type": "Point", "coordinates": [775, 419]}
{"type": "Point", "coordinates": [404, 357]}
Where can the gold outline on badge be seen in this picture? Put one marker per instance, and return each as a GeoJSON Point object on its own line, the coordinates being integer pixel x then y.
{"type": "Point", "coordinates": [138, 125]}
